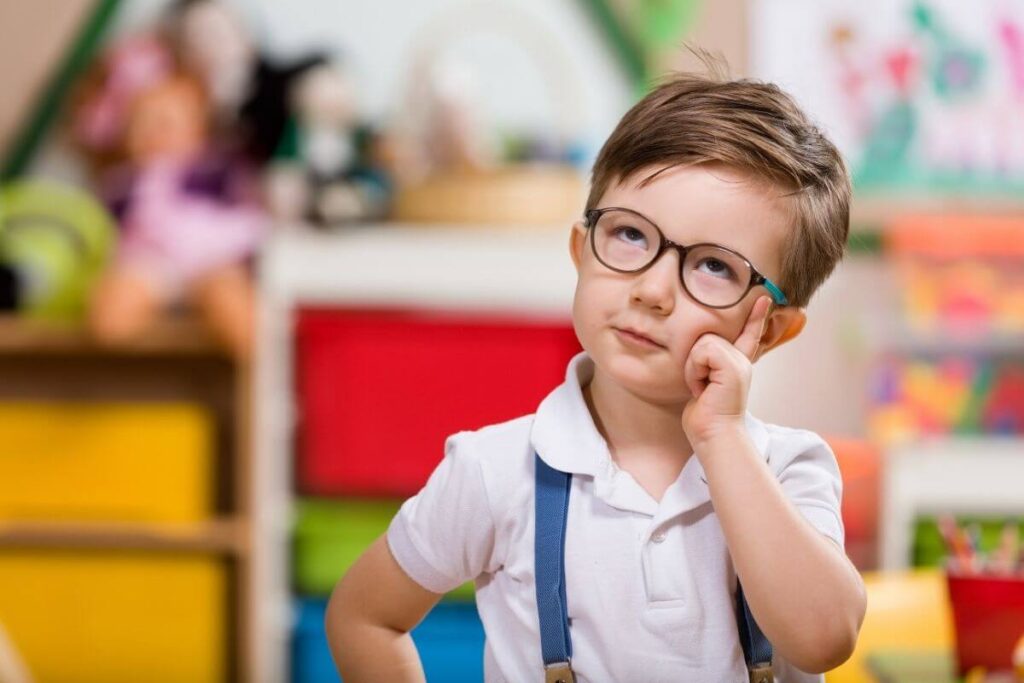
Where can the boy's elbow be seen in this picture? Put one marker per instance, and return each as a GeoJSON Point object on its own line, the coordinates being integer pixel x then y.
{"type": "Point", "coordinates": [335, 617]}
{"type": "Point", "coordinates": [825, 654]}
{"type": "Point", "coordinates": [342, 618]}
{"type": "Point", "coordinates": [832, 642]}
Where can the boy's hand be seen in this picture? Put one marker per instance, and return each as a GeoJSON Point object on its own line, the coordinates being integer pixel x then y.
{"type": "Point", "coordinates": [717, 373]}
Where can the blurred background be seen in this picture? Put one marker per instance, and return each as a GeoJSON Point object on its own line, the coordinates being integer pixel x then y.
{"type": "Point", "coordinates": [257, 259]}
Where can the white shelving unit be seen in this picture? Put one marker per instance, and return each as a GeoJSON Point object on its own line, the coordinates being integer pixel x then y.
{"type": "Point", "coordinates": [970, 476]}
{"type": "Point", "coordinates": [510, 270]}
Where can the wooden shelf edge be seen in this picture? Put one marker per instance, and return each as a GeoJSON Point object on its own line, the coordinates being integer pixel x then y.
{"type": "Point", "coordinates": [229, 536]}
{"type": "Point", "coordinates": [168, 336]}
{"type": "Point", "coordinates": [872, 211]}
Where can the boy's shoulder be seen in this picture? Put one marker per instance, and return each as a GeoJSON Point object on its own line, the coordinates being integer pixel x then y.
{"type": "Point", "coordinates": [494, 446]}
{"type": "Point", "coordinates": [502, 454]}
{"type": "Point", "coordinates": [782, 445]}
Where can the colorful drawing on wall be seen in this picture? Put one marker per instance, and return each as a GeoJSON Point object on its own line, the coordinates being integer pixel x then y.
{"type": "Point", "coordinates": [924, 96]}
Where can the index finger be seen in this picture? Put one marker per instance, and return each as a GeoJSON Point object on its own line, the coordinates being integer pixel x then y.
{"type": "Point", "coordinates": [750, 337]}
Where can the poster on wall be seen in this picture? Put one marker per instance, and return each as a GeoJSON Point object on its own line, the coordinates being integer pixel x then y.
{"type": "Point", "coordinates": [924, 97]}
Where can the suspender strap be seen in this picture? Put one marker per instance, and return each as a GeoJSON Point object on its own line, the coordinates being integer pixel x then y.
{"type": "Point", "coordinates": [551, 517]}
{"type": "Point", "coordinates": [757, 651]}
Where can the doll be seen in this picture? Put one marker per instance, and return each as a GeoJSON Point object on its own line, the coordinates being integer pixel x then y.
{"type": "Point", "coordinates": [103, 98]}
{"type": "Point", "coordinates": [248, 92]}
{"type": "Point", "coordinates": [325, 170]}
{"type": "Point", "coordinates": [189, 221]}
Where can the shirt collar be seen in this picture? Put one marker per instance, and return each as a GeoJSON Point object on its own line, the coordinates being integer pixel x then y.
{"type": "Point", "coordinates": [565, 437]}
{"type": "Point", "coordinates": [564, 433]}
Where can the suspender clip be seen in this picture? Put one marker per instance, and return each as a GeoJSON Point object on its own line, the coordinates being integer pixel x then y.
{"type": "Point", "coordinates": [560, 672]}
{"type": "Point", "coordinates": [762, 673]}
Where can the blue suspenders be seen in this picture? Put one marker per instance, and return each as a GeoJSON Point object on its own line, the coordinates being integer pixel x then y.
{"type": "Point", "coordinates": [551, 515]}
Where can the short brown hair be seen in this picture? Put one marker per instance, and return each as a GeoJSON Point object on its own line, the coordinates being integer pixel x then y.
{"type": "Point", "coordinates": [752, 126]}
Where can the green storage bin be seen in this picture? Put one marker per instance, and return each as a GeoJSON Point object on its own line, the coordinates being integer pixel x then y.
{"type": "Point", "coordinates": [331, 534]}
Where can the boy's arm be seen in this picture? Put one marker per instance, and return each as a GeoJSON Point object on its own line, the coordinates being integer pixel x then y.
{"type": "Point", "coordinates": [804, 593]}
{"type": "Point", "coordinates": [370, 614]}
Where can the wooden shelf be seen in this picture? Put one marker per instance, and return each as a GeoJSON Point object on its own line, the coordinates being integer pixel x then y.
{"type": "Point", "coordinates": [872, 211]}
{"type": "Point", "coordinates": [228, 536]}
{"type": "Point", "coordinates": [169, 336]}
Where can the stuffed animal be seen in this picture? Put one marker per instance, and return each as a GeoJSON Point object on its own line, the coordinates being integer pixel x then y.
{"type": "Point", "coordinates": [326, 170]}
{"type": "Point", "coordinates": [248, 92]}
{"type": "Point", "coordinates": [54, 241]}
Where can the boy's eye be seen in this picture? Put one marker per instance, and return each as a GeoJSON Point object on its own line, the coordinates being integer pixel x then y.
{"type": "Point", "coordinates": [631, 235]}
{"type": "Point", "coordinates": [713, 266]}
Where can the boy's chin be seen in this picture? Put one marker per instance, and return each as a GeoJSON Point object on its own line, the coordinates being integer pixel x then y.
{"type": "Point", "coordinates": [648, 382]}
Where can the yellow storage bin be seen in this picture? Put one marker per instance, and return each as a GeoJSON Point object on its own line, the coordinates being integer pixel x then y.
{"type": "Point", "coordinates": [105, 462]}
{"type": "Point", "coordinates": [113, 617]}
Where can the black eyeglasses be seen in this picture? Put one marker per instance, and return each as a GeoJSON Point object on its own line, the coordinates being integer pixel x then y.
{"type": "Point", "coordinates": [715, 276]}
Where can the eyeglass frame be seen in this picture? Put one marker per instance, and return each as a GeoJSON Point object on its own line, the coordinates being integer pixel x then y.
{"type": "Point", "coordinates": [592, 216]}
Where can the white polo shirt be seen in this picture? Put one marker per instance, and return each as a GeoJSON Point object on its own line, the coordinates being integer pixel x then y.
{"type": "Point", "coordinates": [650, 584]}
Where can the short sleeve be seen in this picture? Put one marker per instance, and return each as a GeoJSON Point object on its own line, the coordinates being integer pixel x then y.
{"type": "Point", "coordinates": [444, 535]}
{"type": "Point", "coordinates": [810, 478]}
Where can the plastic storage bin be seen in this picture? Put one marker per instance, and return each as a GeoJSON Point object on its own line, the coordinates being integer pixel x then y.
{"type": "Point", "coordinates": [988, 615]}
{"type": "Point", "coordinates": [105, 462]}
{"type": "Point", "coordinates": [113, 617]}
{"type": "Point", "coordinates": [380, 390]}
{"type": "Point", "coordinates": [330, 535]}
{"type": "Point", "coordinates": [450, 641]}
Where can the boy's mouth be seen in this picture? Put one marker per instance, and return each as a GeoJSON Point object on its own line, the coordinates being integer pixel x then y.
{"type": "Point", "coordinates": [637, 337]}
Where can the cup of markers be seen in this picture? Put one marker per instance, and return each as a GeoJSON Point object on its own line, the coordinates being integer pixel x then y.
{"type": "Point", "coordinates": [986, 592]}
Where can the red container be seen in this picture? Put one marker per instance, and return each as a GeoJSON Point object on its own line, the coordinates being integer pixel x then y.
{"type": "Point", "coordinates": [380, 390]}
{"type": "Point", "coordinates": [988, 617]}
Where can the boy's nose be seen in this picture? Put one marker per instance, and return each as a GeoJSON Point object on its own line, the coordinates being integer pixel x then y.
{"type": "Point", "coordinates": [657, 287]}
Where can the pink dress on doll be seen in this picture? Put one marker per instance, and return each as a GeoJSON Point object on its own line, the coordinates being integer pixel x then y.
{"type": "Point", "coordinates": [180, 221]}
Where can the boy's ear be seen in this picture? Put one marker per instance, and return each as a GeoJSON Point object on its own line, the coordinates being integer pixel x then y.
{"type": "Point", "coordinates": [577, 243]}
{"type": "Point", "coordinates": [783, 325]}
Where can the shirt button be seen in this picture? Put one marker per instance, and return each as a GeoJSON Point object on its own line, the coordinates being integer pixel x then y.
{"type": "Point", "coordinates": [658, 536]}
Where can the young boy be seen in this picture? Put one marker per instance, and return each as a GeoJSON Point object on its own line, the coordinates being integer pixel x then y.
{"type": "Point", "coordinates": [716, 210]}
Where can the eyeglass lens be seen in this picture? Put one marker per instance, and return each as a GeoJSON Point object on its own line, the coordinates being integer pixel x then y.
{"type": "Point", "coordinates": [712, 275]}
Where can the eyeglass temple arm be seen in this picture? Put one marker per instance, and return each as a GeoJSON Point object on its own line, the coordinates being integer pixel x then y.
{"type": "Point", "coordinates": [777, 295]}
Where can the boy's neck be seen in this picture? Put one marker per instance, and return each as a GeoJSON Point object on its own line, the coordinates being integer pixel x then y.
{"type": "Point", "coordinates": [644, 438]}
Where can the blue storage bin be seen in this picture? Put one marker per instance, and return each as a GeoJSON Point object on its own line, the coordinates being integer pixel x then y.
{"type": "Point", "coordinates": [450, 641]}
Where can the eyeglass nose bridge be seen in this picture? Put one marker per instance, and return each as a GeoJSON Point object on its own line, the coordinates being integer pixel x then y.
{"type": "Point", "coordinates": [666, 246]}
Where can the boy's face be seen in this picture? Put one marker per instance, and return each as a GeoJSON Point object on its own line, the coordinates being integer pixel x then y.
{"type": "Point", "coordinates": [694, 204]}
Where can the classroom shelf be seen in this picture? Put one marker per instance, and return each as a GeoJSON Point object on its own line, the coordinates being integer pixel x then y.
{"type": "Point", "coordinates": [218, 536]}
{"type": "Point", "coordinates": [172, 336]}
{"type": "Point", "coordinates": [473, 274]}
{"type": "Point", "coordinates": [870, 212]}
{"type": "Point", "coordinates": [175, 361]}
{"type": "Point", "coordinates": [962, 475]}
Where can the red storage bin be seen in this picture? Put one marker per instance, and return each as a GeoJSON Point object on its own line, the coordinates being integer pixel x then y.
{"type": "Point", "coordinates": [380, 390]}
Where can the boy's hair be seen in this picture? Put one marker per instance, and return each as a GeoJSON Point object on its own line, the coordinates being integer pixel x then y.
{"type": "Point", "coordinates": [752, 126]}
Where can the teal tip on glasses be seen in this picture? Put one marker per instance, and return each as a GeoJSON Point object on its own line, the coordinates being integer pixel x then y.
{"type": "Point", "coordinates": [777, 296]}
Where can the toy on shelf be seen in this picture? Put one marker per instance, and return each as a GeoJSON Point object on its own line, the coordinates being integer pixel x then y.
{"type": "Point", "coordinates": [918, 397]}
{"type": "Point", "coordinates": [453, 163]}
{"type": "Point", "coordinates": [961, 276]}
{"type": "Point", "coordinates": [325, 170]}
{"type": "Point", "coordinates": [248, 92]}
{"type": "Point", "coordinates": [188, 211]}
{"type": "Point", "coordinates": [985, 581]}
{"type": "Point", "coordinates": [54, 242]}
